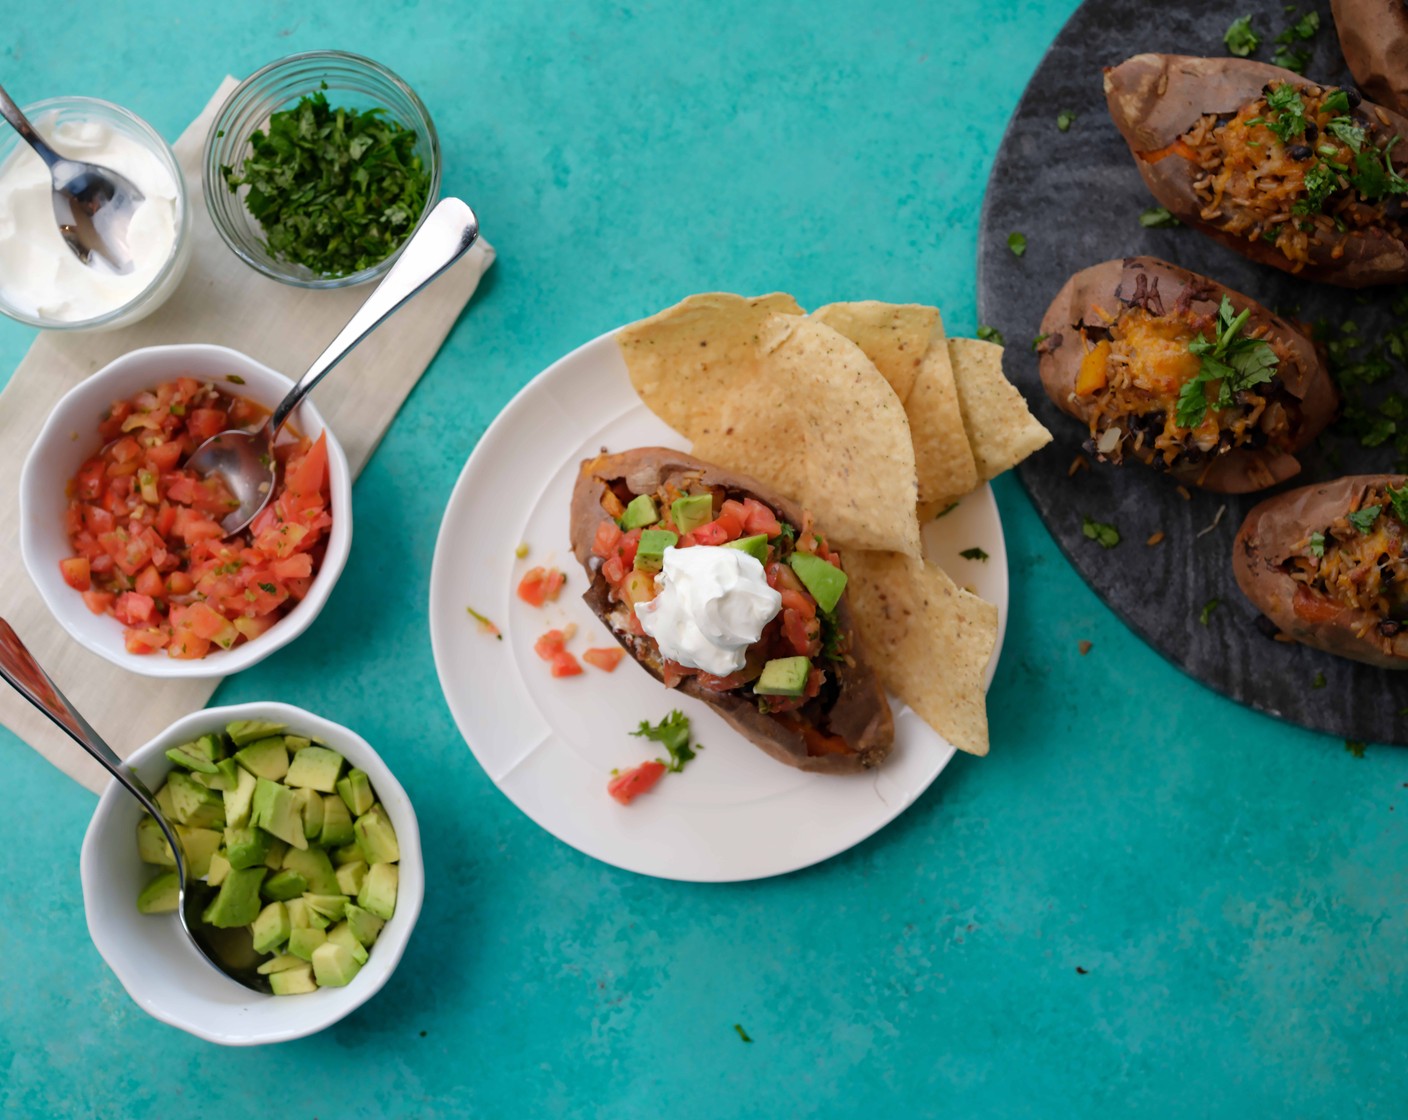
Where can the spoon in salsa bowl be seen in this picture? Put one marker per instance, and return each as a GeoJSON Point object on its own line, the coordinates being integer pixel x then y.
{"type": "Point", "coordinates": [245, 461]}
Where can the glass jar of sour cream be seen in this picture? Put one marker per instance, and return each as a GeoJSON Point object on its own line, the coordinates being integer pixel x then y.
{"type": "Point", "coordinates": [42, 283]}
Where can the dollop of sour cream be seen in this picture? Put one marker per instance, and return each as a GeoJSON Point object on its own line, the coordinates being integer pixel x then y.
{"type": "Point", "coordinates": [39, 273]}
{"type": "Point", "coordinates": [711, 604]}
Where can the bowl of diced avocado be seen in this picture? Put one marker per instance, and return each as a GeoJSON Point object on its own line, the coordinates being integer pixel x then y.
{"type": "Point", "coordinates": [305, 840]}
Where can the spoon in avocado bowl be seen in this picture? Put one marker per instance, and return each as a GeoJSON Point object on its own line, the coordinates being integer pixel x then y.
{"type": "Point", "coordinates": [92, 204]}
{"type": "Point", "coordinates": [245, 460]}
{"type": "Point", "coordinates": [230, 951]}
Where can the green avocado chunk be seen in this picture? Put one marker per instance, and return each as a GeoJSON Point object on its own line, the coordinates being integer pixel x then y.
{"type": "Point", "coordinates": [276, 811]}
{"type": "Point", "coordinates": [237, 904]}
{"type": "Point", "coordinates": [245, 731]}
{"type": "Point", "coordinates": [284, 886]}
{"type": "Point", "coordinates": [336, 831]}
{"type": "Point", "coordinates": [365, 925]}
{"type": "Point", "coordinates": [161, 896]}
{"type": "Point", "coordinates": [378, 893]}
{"type": "Point", "coordinates": [302, 942]}
{"type": "Point", "coordinates": [246, 847]}
{"type": "Point", "coordinates": [194, 805]}
{"type": "Point", "coordinates": [376, 836]}
{"type": "Point", "coordinates": [341, 934]}
{"type": "Point", "coordinates": [315, 867]}
{"type": "Point", "coordinates": [824, 580]}
{"type": "Point", "coordinates": [755, 546]}
{"type": "Point", "coordinates": [200, 844]}
{"type": "Point", "coordinates": [191, 761]}
{"type": "Point", "coordinates": [315, 768]}
{"type": "Point", "coordinates": [266, 758]}
{"type": "Point", "coordinates": [282, 963]}
{"type": "Point", "coordinates": [293, 981]}
{"type": "Point", "coordinates": [650, 554]}
{"type": "Point", "coordinates": [350, 877]}
{"type": "Point", "coordinates": [152, 846]}
{"type": "Point", "coordinates": [334, 966]}
{"type": "Point", "coordinates": [692, 511]}
{"type": "Point", "coordinates": [640, 513]}
{"type": "Point", "coordinates": [271, 929]}
{"type": "Point", "coordinates": [355, 789]}
{"type": "Point", "coordinates": [219, 869]}
{"type": "Point", "coordinates": [240, 800]}
{"type": "Point", "coordinates": [784, 676]}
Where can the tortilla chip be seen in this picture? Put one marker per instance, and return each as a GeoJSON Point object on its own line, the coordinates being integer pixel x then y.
{"type": "Point", "coordinates": [686, 360]}
{"type": "Point", "coordinates": [1001, 429]}
{"type": "Point", "coordinates": [791, 402]}
{"type": "Point", "coordinates": [928, 640]}
{"type": "Point", "coordinates": [895, 336]}
{"type": "Point", "coordinates": [943, 457]}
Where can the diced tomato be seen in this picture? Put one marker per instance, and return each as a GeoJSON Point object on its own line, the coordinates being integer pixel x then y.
{"type": "Point", "coordinates": [99, 602]}
{"type": "Point", "coordinates": [88, 483]}
{"type": "Point", "coordinates": [802, 634]}
{"type": "Point", "coordinates": [146, 640]}
{"type": "Point", "coordinates": [164, 456]}
{"type": "Point", "coordinates": [757, 518]}
{"type": "Point", "coordinates": [180, 583]}
{"type": "Point", "coordinates": [294, 567]}
{"type": "Point", "coordinates": [541, 585]}
{"type": "Point", "coordinates": [150, 583]}
{"type": "Point", "coordinates": [604, 659]}
{"type": "Point", "coordinates": [76, 574]}
{"type": "Point", "coordinates": [800, 602]}
{"type": "Point", "coordinates": [565, 665]}
{"type": "Point", "coordinates": [608, 535]}
{"type": "Point", "coordinates": [203, 423]}
{"type": "Point", "coordinates": [781, 577]}
{"type": "Point", "coordinates": [308, 475]}
{"type": "Point", "coordinates": [550, 645]}
{"type": "Point", "coordinates": [630, 784]}
{"type": "Point", "coordinates": [133, 609]}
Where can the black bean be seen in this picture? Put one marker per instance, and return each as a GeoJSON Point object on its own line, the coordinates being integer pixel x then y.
{"type": "Point", "coordinates": [1312, 132]}
{"type": "Point", "coordinates": [1354, 99]}
{"type": "Point", "coordinates": [1192, 456]}
{"type": "Point", "coordinates": [1389, 627]}
{"type": "Point", "coordinates": [1299, 152]}
{"type": "Point", "coordinates": [1088, 447]}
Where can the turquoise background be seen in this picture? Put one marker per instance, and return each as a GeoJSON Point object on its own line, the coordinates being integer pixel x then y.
{"type": "Point", "coordinates": [1145, 902]}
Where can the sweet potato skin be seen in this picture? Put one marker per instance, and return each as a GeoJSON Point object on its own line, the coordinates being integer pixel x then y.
{"type": "Point", "coordinates": [861, 713]}
{"type": "Point", "coordinates": [1374, 38]}
{"type": "Point", "coordinates": [1107, 285]}
{"type": "Point", "coordinates": [1155, 98]}
{"type": "Point", "coordinates": [1264, 543]}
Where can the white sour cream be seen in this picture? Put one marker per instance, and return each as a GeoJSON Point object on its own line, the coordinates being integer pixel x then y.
{"type": "Point", "coordinates": [39, 274]}
{"type": "Point", "coordinates": [711, 605]}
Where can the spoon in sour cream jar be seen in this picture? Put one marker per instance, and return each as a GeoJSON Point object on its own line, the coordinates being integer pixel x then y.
{"type": "Point", "coordinates": [93, 205]}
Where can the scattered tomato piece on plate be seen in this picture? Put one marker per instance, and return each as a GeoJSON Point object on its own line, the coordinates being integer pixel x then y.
{"type": "Point", "coordinates": [630, 784]}
{"type": "Point", "coordinates": [604, 659]}
{"type": "Point", "coordinates": [541, 585]}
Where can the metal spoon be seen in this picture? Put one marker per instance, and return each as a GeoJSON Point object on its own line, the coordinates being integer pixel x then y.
{"type": "Point", "coordinates": [93, 205]}
{"type": "Point", "coordinates": [245, 460]}
{"type": "Point", "coordinates": [230, 951]}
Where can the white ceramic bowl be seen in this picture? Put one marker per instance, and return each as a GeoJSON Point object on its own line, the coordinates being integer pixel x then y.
{"type": "Point", "coordinates": [70, 436]}
{"type": "Point", "coordinates": [150, 955]}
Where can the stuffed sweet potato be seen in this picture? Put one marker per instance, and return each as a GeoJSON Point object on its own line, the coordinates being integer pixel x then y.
{"type": "Point", "coordinates": [1374, 38]}
{"type": "Point", "coordinates": [1298, 176]}
{"type": "Point", "coordinates": [1173, 370]}
{"type": "Point", "coordinates": [841, 722]}
{"type": "Point", "coordinates": [1327, 564]}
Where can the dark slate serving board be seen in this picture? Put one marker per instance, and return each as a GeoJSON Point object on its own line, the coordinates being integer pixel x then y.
{"type": "Point", "coordinates": [1077, 197]}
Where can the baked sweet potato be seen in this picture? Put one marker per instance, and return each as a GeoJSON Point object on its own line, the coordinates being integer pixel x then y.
{"type": "Point", "coordinates": [1327, 564]}
{"type": "Point", "coordinates": [844, 724]}
{"type": "Point", "coordinates": [1291, 174]}
{"type": "Point", "coordinates": [1121, 350]}
{"type": "Point", "coordinates": [1374, 38]}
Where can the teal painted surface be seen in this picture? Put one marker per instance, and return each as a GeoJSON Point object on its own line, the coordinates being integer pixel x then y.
{"type": "Point", "coordinates": [1232, 888]}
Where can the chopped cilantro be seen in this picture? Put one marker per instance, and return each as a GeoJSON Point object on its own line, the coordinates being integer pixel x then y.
{"type": "Point", "coordinates": [973, 554]}
{"type": "Point", "coordinates": [1017, 242]}
{"type": "Point", "coordinates": [1106, 536]}
{"type": "Point", "coordinates": [786, 533]}
{"type": "Point", "coordinates": [1064, 119]}
{"type": "Point", "coordinates": [1374, 176]}
{"type": "Point", "coordinates": [1355, 747]}
{"type": "Point", "coordinates": [1232, 360]}
{"type": "Point", "coordinates": [672, 733]}
{"type": "Point", "coordinates": [1344, 128]}
{"type": "Point", "coordinates": [1364, 519]}
{"type": "Point", "coordinates": [833, 639]}
{"type": "Point", "coordinates": [991, 334]}
{"type": "Point", "coordinates": [1038, 340]}
{"type": "Point", "coordinates": [1241, 40]}
{"type": "Point", "coordinates": [484, 624]}
{"type": "Point", "coordinates": [1319, 681]}
{"type": "Point", "coordinates": [1321, 181]}
{"type": "Point", "coordinates": [1205, 615]}
{"type": "Point", "coordinates": [234, 379]}
{"type": "Point", "coordinates": [1317, 544]}
{"type": "Point", "coordinates": [1290, 112]}
{"type": "Point", "coordinates": [1398, 499]}
{"type": "Point", "coordinates": [268, 588]}
{"type": "Point", "coordinates": [1158, 217]}
{"type": "Point", "coordinates": [1291, 59]}
{"type": "Point", "coordinates": [741, 1032]}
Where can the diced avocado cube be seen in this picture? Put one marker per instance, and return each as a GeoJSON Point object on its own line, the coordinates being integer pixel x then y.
{"type": "Point", "coordinates": [246, 847]}
{"type": "Point", "coordinates": [152, 845]}
{"type": "Point", "coordinates": [824, 580]}
{"type": "Point", "coordinates": [350, 877]}
{"type": "Point", "coordinates": [334, 966]}
{"type": "Point", "coordinates": [784, 676]}
{"type": "Point", "coordinates": [284, 885]}
{"type": "Point", "coordinates": [282, 963]}
{"type": "Point", "coordinates": [237, 904]}
{"type": "Point", "coordinates": [164, 802]}
{"type": "Point", "coordinates": [265, 758]}
{"type": "Point", "coordinates": [226, 776]}
{"type": "Point", "coordinates": [337, 822]}
{"type": "Point", "coordinates": [330, 906]}
{"type": "Point", "coordinates": [755, 546]}
{"type": "Point", "coordinates": [240, 800]}
{"type": "Point", "coordinates": [640, 512]}
{"type": "Point", "coordinates": [341, 934]}
{"type": "Point", "coordinates": [219, 869]}
{"type": "Point", "coordinates": [191, 762]}
{"type": "Point", "coordinates": [365, 926]}
{"type": "Point", "coordinates": [692, 511]}
{"type": "Point", "coordinates": [356, 791]}
{"type": "Point", "coordinates": [301, 917]}
{"type": "Point", "coordinates": [295, 743]}
{"type": "Point", "coordinates": [194, 805]}
{"type": "Point", "coordinates": [310, 808]}
{"type": "Point", "coordinates": [294, 981]}
{"type": "Point", "coordinates": [245, 731]}
{"type": "Point", "coordinates": [302, 942]}
{"type": "Point", "coordinates": [161, 896]}
{"type": "Point", "coordinates": [271, 929]}
{"type": "Point", "coordinates": [315, 768]}
{"type": "Point", "coordinates": [315, 867]}
{"type": "Point", "coordinates": [378, 893]}
{"type": "Point", "coordinates": [277, 850]}
{"type": "Point", "coordinates": [650, 555]}
{"type": "Point", "coordinates": [352, 853]}
{"type": "Point", "coordinates": [376, 837]}
{"type": "Point", "coordinates": [276, 812]}
{"type": "Point", "coordinates": [209, 746]}
{"type": "Point", "coordinates": [200, 845]}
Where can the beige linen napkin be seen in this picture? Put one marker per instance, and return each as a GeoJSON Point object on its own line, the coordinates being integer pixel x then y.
{"type": "Point", "coordinates": [221, 300]}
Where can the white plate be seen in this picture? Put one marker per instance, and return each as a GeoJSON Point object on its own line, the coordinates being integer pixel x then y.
{"type": "Point", "coordinates": [550, 744]}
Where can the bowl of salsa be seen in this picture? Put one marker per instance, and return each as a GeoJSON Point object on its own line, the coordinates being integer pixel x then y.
{"type": "Point", "coordinates": [124, 542]}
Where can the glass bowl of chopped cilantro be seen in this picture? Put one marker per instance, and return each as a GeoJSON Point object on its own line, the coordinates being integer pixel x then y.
{"type": "Point", "coordinates": [319, 167]}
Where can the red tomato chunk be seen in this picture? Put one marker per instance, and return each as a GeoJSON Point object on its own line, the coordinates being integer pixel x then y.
{"type": "Point", "coordinates": [541, 585]}
{"type": "Point", "coordinates": [630, 784]}
{"type": "Point", "coordinates": [604, 659]}
{"type": "Point", "coordinates": [148, 547]}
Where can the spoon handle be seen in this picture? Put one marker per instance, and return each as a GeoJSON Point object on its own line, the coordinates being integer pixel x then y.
{"type": "Point", "coordinates": [11, 112]}
{"type": "Point", "coordinates": [442, 239]}
{"type": "Point", "coordinates": [17, 665]}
